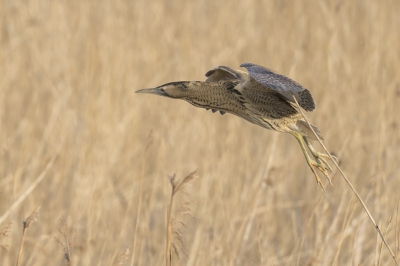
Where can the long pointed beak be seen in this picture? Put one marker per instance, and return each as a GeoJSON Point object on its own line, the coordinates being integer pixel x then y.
{"type": "Point", "coordinates": [156, 91]}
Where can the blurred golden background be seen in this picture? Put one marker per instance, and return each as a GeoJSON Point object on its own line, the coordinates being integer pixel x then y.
{"type": "Point", "coordinates": [73, 133]}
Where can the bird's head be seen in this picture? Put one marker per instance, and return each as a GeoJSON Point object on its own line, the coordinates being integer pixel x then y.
{"type": "Point", "coordinates": [177, 90]}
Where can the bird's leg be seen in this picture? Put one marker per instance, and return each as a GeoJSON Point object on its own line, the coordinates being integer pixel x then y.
{"type": "Point", "coordinates": [312, 163]}
{"type": "Point", "coordinates": [318, 156]}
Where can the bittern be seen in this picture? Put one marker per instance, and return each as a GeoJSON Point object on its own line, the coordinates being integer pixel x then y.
{"type": "Point", "coordinates": [261, 96]}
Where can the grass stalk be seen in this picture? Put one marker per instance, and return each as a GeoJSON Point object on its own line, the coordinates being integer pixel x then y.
{"type": "Point", "coordinates": [168, 257]}
{"type": "Point", "coordinates": [29, 189]}
{"type": "Point", "coordinates": [173, 232]}
{"type": "Point", "coordinates": [67, 242]}
{"type": "Point", "coordinates": [31, 218]}
{"type": "Point", "coordinates": [149, 141]}
{"type": "Point", "coordinates": [397, 230]}
{"type": "Point", "coordinates": [384, 233]}
{"type": "Point", "coordinates": [350, 184]}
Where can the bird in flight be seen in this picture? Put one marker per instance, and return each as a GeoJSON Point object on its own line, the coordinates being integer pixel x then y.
{"type": "Point", "coordinates": [260, 96]}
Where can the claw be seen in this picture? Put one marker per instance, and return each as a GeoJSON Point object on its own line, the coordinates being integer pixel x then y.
{"type": "Point", "coordinates": [323, 168]}
{"type": "Point", "coordinates": [319, 182]}
{"type": "Point", "coordinates": [321, 160]}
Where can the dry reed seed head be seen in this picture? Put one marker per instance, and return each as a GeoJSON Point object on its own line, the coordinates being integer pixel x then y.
{"type": "Point", "coordinates": [149, 140]}
{"type": "Point", "coordinates": [4, 234]}
{"type": "Point", "coordinates": [121, 259]}
{"type": "Point", "coordinates": [67, 244]}
{"type": "Point", "coordinates": [67, 257]}
{"type": "Point", "coordinates": [32, 218]}
{"type": "Point", "coordinates": [181, 185]}
{"type": "Point", "coordinates": [5, 230]}
{"type": "Point", "coordinates": [172, 181]}
{"type": "Point", "coordinates": [4, 247]}
{"type": "Point", "coordinates": [184, 210]}
{"type": "Point", "coordinates": [192, 176]}
{"type": "Point", "coordinates": [176, 250]}
{"type": "Point", "coordinates": [178, 243]}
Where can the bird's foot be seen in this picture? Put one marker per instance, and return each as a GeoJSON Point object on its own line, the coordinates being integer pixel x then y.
{"type": "Point", "coordinates": [323, 167]}
{"type": "Point", "coordinates": [319, 157]}
{"type": "Point", "coordinates": [321, 160]}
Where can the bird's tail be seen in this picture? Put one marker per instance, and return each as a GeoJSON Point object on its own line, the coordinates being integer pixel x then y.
{"type": "Point", "coordinates": [306, 131]}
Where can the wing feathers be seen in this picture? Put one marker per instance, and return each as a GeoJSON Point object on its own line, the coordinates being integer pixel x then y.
{"type": "Point", "coordinates": [284, 85]}
{"type": "Point", "coordinates": [223, 73]}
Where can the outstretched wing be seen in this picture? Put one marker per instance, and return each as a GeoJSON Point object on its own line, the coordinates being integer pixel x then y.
{"type": "Point", "coordinates": [284, 85]}
{"type": "Point", "coordinates": [224, 73]}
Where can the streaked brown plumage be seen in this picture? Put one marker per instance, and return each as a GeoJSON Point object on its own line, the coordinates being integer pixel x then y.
{"type": "Point", "coordinates": [260, 96]}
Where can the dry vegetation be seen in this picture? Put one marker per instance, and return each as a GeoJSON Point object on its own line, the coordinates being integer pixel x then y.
{"type": "Point", "coordinates": [73, 133]}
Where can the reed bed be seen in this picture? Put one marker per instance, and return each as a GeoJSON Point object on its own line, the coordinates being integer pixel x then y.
{"type": "Point", "coordinates": [74, 135]}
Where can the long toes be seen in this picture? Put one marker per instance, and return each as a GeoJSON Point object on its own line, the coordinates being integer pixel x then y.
{"type": "Point", "coordinates": [323, 155]}
{"type": "Point", "coordinates": [320, 158]}
{"type": "Point", "coordinates": [322, 168]}
{"type": "Point", "coordinates": [325, 164]}
{"type": "Point", "coordinates": [319, 182]}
